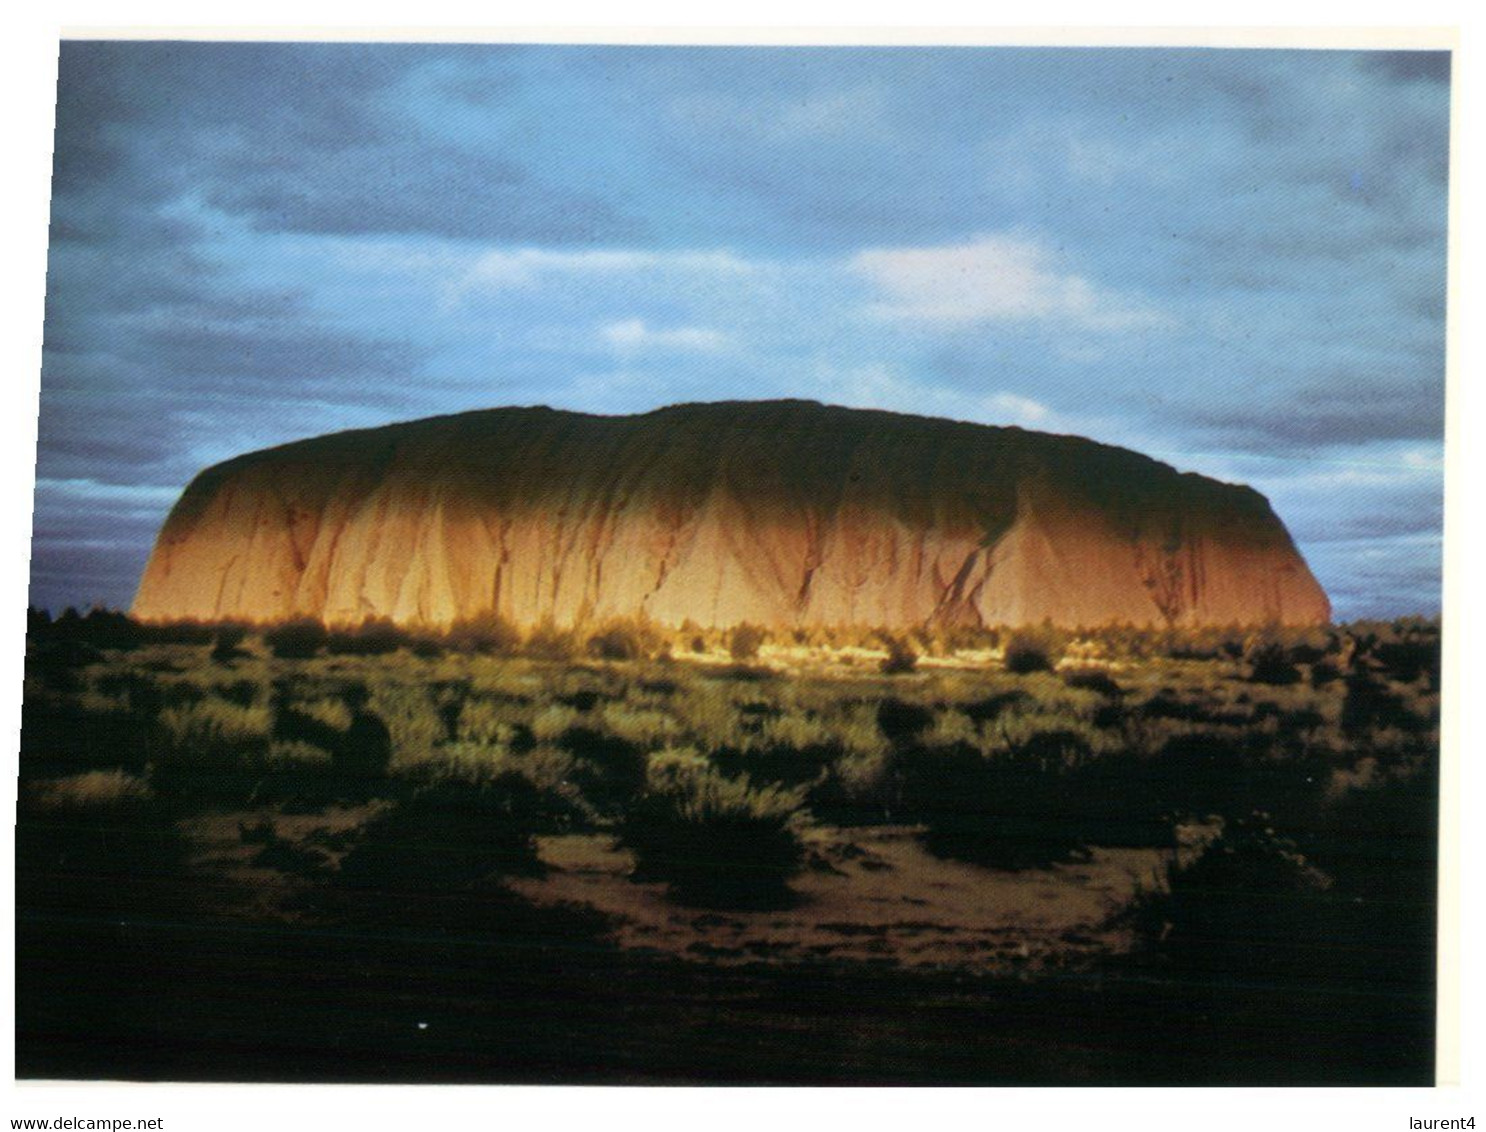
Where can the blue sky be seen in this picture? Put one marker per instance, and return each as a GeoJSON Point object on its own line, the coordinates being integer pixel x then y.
{"type": "Point", "coordinates": [1231, 260]}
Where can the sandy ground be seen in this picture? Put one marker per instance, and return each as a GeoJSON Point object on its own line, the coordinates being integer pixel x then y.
{"type": "Point", "coordinates": [870, 895]}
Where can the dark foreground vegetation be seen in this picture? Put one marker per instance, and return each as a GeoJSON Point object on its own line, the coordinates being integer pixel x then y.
{"type": "Point", "coordinates": [304, 853]}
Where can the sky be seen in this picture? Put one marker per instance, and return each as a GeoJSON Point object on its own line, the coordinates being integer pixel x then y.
{"type": "Point", "coordinates": [1233, 261]}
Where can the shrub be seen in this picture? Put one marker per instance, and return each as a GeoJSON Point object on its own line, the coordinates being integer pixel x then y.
{"type": "Point", "coordinates": [1008, 807]}
{"type": "Point", "coordinates": [216, 728]}
{"type": "Point", "coordinates": [488, 634]}
{"type": "Point", "coordinates": [901, 721]}
{"type": "Point", "coordinates": [1026, 653]}
{"type": "Point", "coordinates": [789, 750]}
{"type": "Point", "coordinates": [481, 719]}
{"type": "Point", "coordinates": [1407, 660]}
{"type": "Point", "coordinates": [558, 804]}
{"type": "Point", "coordinates": [413, 721]}
{"type": "Point", "coordinates": [648, 729]}
{"type": "Point", "coordinates": [105, 629]}
{"type": "Point", "coordinates": [1269, 663]}
{"type": "Point", "coordinates": [376, 636]}
{"type": "Point", "coordinates": [1371, 705]}
{"type": "Point", "coordinates": [745, 641]}
{"type": "Point", "coordinates": [363, 756]}
{"type": "Point", "coordinates": [715, 840]}
{"type": "Point", "coordinates": [625, 639]}
{"type": "Point", "coordinates": [280, 854]}
{"type": "Point", "coordinates": [228, 646]}
{"type": "Point", "coordinates": [993, 707]}
{"type": "Point", "coordinates": [552, 722]}
{"type": "Point", "coordinates": [609, 771]}
{"type": "Point", "coordinates": [1249, 903]}
{"type": "Point", "coordinates": [243, 693]}
{"type": "Point", "coordinates": [967, 638]}
{"type": "Point", "coordinates": [213, 751]}
{"type": "Point", "coordinates": [97, 844]}
{"type": "Point", "coordinates": [329, 711]}
{"type": "Point", "coordinates": [900, 657]}
{"type": "Point", "coordinates": [711, 718]}
{"type": "Point", "coordinates": [452, 835]}
{"type": "Point", "coordinates": [1094, 680]}
{"type": "Point", "coordinates": [181, 632]}
{"type": "Point", "coordinates": [67, 734]}
{"type": "Point", "coordinates": [550, 642]}
{"type": "Point", "coordinates": [860, 788]}
{"type": "Point", "coordinates": [91, 789]}
{"type": "Point", "coordinates": [1324, 673]}
{"type": "Point", "coordinates": [299, 639]}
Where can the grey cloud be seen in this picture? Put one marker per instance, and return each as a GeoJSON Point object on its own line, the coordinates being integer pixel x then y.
{"type": "Point", "coordinates": [64, 574]}
{"type": "Point", "coordinates": [1343, 412]}
{"type": "Point", "coordinates": [297, 137]}
{"type": "Point", "coordinates": [1380, 577]}
{"type": "Point", "coordinates": [438, 190]}
{"type": "Point", "coordinates": [266, 355]}
{"type": "Point", "coordinates": [1411, 66]}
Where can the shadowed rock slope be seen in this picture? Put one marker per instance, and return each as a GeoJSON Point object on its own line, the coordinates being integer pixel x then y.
{"type": "Point", "coordinates": [783, 513]}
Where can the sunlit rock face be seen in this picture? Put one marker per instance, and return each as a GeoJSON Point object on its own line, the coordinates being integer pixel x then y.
{"type": "Point", "coordinates": [783, 513]}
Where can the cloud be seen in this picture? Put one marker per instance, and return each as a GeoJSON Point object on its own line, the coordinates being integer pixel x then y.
{"type": "Point", "coordinates": [880, 386]}
{"type": "Point", "coordinates": [1412, 66]}
{"type": "Point", "coordinates": [303, 137]}
{"type": "Point", "coordinates": [91, 539]}
{"type": "Point", "coordinates": [1381, 577]}
{"type": "Point", "coordinates": [635, 334]}
{"type": "Point", "coordinates": [802, 117]}
{"type": "Point", "coordinates": [504, 269]}
{"type": "Point", "coordinates": [1326, 410]}
{"type": "Point", "coordinates": [994, 278]}
{"type": "Point", "coordinates": [436, 189]}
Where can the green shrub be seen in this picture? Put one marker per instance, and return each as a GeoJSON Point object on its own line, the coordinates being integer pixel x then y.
{"type": "Point", "coordinates": [1248, 903]}
{"type": "Point", "coordinates": [1094, 680]}
{"type": "Point", "coordinates": [608, 770]}
{"type": "Point", "coordinates": [625, 639]}
{"type": "Point", "coordinates": [376, 636]}
{"type": "Point", "coordinates": [213, 752]}
{"type": "Point", "coordinates": [1009, 807]}
{"type": "Point", "coordinates": [862, 787]}
{"type": "Point", "coordinates": [1406, 660]}
{"type": "Point", "coordinates": [557, 806]}
{"type": "Point", "coordinates": [299, 639]}
{"type": "Point", "coordinates": [488, 634]}
{"type": "Point", "coordinates": [482, 719]}
{"type": "Point", "coordinates": [715, 840]}
{"type": "Point", "coordinates": [1027, 652]}
{"type": "Point", "coordinates": [745, 641]}
{"type": "Point", "coordinates": [412, 719]}
{"type": "Point", "coordinates": [216, 728]}
{"type": "Point", "coordinates": [228, 646]}
{"type": "Point", "coordinates": [550, 642]}
{"type": "Point", "coordinates": [68, 734]}
{"type": "Point", "coordinates": [900, 658]}
{"type": "Point", "coordinates": [94, 789]}
{"type": "Point", "coordinates": [97, 844]}
{"type": "Point", "coordinates": [645, 729]}
{"type": "Point", "coordinates": [1371, 705]}
{"type": "Point", "coordinates": [451, 835]}
{"type": "Point", "coordinates": [1270, 663]}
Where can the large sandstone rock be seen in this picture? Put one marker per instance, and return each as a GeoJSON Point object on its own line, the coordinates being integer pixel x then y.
{"type": "Point", "coordinates": [782, 513]}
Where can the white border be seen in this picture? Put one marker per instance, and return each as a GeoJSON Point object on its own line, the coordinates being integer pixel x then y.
{"type": "Point", "coordinates": [28, 78]}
